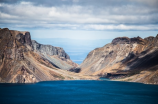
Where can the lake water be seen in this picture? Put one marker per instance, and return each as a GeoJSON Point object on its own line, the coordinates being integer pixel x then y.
{"type": "Point", "coordinates": [79, 92]}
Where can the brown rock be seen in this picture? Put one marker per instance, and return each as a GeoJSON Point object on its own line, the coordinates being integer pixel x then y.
{"type": "Point", "coordinates": [20, 62]}
{"type": "Point", "coordinates": [125, 58]}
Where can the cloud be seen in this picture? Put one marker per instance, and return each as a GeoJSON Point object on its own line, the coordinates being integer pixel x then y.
{"type": "Point", "coordinates": [80, 14]}
{"type": "Point", "coordinates": [122, 27]}
{"type": "Point", "coordinates": [151, 3]}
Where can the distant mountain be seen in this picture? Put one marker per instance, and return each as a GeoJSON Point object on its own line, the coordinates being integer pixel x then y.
{"type": "Point", "coordinates": [56, 55]}
{"type": "Point", "coordinates": [23, 60]}
{"type": "Point", "coordinates": [77, 49]}
{"type": "Point", "coordinates": [125, 59]}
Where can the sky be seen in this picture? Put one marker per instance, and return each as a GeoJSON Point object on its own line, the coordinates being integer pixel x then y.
{"type": "Point", "coordinates": [80, 26]}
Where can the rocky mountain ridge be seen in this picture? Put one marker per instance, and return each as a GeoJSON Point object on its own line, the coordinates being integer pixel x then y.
{"type": "Point", "coordinates": [56, 55]}
{"type": "Point", "coordinates": [50, 50]}
{"type": "Point", "coordinates": [26, 61]}
{"type": "Point", "coordinates": [23, 60]}
{"type": "Point", "coordinates": [126, 59]}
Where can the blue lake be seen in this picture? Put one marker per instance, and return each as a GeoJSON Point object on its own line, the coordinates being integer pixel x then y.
{"type": "Point", "coordinates": [79, 92]}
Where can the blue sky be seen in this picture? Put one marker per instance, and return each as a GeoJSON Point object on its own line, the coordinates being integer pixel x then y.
{"type": "Point", "coordinates": [79, 26]}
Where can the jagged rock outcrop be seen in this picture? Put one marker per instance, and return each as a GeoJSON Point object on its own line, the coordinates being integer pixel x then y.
{"type": "Point", "coordinates": [56, 55]}
{"type": "Point", "coordinates": [50, 50]}
{"type": "Point", "coordinates": [26, 61]}
{"type": "Point", "coordinates": [128, 59]}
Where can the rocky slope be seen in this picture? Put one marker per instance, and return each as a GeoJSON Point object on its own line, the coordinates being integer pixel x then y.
{"type": "Point", "coordinates": [26, 61]}
{"type": "Point", "coordinates": [56, 55]}
{"type": "Point", "coordinates": [126, 59]}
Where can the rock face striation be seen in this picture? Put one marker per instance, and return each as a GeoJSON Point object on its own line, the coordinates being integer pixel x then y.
{"type": "Point", "coordinates": [23, 60]}
{"type": "Point", "coordinates": [49, 50]}
{"type": "Point", "coordinates": [125, 59]}
{"type": "Point", "coordinates": [56, 55]}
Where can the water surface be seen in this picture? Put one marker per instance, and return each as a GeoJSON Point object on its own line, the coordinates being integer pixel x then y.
{"type": "Point", "coordinates": [79, 92]}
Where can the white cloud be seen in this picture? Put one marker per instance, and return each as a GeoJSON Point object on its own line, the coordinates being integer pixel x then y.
{"type": "Point", "coordinates": [7, 16]}
{"type": "Point", "coordinates": [122, 27]}
{"type": "Point", "coordinates": [25, 3]}
{"type": "Point", "coordinates": [124, 17]}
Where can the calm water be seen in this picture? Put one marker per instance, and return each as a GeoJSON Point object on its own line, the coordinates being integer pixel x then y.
{"type": "Point", "coordinates": [79, 92]}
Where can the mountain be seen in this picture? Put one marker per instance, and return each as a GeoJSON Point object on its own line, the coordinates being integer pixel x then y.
{"type": "Point", "coordinates": [23, 60]}
{"type": "Point", "coordinates": [56, 55]}
{"type": "Point", "coordinates": [125, 59]}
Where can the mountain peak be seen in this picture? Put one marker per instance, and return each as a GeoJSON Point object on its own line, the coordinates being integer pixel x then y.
{"type": "Point", "coordinates": [26, 61]}
{"type": "Point", "coordinates": [128, 59]}
{"type": "Point", "coordinates": [121, 40]}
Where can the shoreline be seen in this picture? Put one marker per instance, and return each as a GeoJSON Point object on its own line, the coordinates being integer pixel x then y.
{"type": "Point", "coordinates": [85, 80]}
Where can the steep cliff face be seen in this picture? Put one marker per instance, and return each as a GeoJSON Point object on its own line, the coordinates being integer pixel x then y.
{"type": "Point", "coordinates": [49, 50]}
{"type": "Point", "coordinates": [56, 55]}
{"type": "Point", "coordinates": [13, 47]}
{"type": "Point", "coordinates": [128, 59]}
{"type": "Point", "coordinates": [24, 61]}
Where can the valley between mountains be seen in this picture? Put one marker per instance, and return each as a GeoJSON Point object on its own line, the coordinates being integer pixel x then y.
{"type": "Point", "coordinates": [23, 60]}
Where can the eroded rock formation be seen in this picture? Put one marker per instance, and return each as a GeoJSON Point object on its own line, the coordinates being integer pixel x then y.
{"type": "Point", "coordinates": [26, 61]}
{"type": "Point", "coordinates": [127, 59]}
{"type": "Point", "coordinates": [56, 55]}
